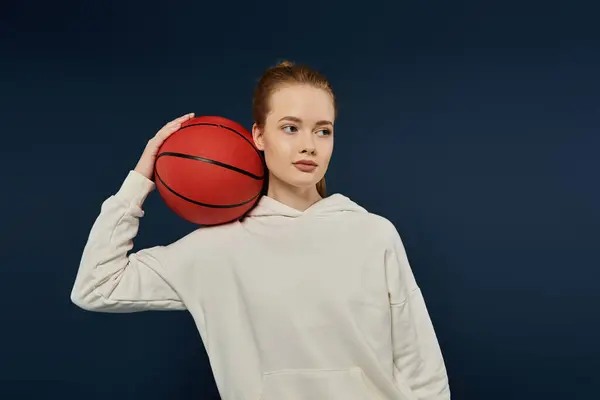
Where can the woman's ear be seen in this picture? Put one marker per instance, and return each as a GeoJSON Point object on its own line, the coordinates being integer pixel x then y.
{"type": "Point", "coordinates": [258, 136]}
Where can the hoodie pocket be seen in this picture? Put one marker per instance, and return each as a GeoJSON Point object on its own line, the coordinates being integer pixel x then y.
{"type": "Point", "coordinates": [315, 384]}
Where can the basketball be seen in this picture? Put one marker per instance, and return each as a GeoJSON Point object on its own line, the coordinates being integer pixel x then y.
{"type": "Point", "coordinates": [209, 172]}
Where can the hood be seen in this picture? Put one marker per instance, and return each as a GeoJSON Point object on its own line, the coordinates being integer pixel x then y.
{"type": "Point", "coordinates": [335, 203]}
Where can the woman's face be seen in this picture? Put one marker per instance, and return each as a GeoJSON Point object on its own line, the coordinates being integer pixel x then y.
{"type": "Point", "coordinates": [299, 128]}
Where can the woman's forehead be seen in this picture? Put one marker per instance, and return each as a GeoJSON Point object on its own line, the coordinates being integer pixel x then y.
{"type": "Point", "coordinates": [304, 103]}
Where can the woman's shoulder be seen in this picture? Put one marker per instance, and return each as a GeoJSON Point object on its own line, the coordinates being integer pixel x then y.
{"type": "Point", "coordinates": [207, 238]}
{"type": "Point", "coordinates": [372, 222]}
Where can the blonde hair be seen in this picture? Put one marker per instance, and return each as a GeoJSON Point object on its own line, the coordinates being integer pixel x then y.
{"type": "Point", "coordinates": [286, 72]}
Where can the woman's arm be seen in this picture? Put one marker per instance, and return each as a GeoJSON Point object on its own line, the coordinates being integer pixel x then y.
{"type": "Point", "coordinates": [111, 280]}
{"type": "Point", "coordinates": [417, 355]}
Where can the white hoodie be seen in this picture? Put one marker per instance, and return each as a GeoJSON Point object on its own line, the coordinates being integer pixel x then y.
{"type": "Point", "coordinates": [290, 305]}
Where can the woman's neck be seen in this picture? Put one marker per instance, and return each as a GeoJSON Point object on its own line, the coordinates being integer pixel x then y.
{"type": "Point", "coordinates": [292, 196]}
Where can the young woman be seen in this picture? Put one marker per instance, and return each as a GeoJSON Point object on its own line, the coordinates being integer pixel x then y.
{"type": "Point", "coordinates": [309, 297]}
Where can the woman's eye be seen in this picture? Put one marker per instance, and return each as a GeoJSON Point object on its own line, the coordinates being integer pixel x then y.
{"type": "Point", "coordinates": [289, 129]}
{"type": "Point", "coordinates": [325, 132]}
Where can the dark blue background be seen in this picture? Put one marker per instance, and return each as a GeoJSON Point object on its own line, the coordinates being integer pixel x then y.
{"type": "Point", "coordinates": [472, 125]}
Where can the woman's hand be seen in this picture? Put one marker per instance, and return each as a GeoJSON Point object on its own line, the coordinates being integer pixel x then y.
{"type": "Point", "coordinates": [145, 165]}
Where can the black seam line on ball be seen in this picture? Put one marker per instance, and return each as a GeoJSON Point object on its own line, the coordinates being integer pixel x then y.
{"type": "Point", "coordinates": [229, 129]}
{"type": "Point", "coordinates": [208, 160]}
{"type": "Point", "coordinates": [204, 204]}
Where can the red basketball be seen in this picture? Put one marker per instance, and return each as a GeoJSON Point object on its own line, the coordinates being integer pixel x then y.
{"type": "Point", "coordinates": [209, 172]}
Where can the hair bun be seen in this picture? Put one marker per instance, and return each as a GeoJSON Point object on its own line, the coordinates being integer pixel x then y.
{"type": "Point", "coordinates": [285, 64]}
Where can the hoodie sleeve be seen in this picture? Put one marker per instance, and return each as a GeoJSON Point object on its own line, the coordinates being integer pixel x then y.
{"type": "Point", "coordinates": [110, 279]}
{"type": "Point", "coordinates": [417, 355]}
